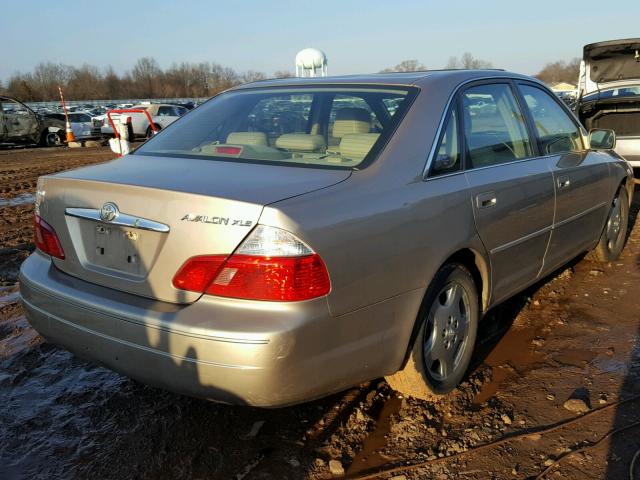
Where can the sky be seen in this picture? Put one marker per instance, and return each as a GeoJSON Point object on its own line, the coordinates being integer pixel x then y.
{"type": "Point", "coordinates": [357, 36]}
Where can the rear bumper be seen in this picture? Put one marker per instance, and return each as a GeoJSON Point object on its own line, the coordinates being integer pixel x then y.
{"type": "Point", "coordinates": [241, 352]}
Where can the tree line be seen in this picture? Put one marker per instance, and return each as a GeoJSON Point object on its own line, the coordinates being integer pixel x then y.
{"type": "Point", "coordinates": [193, 80]}
{"type": "Point", "coordinates": [145, 80]}
{"type": "Point", "coordinates": [552, 72]}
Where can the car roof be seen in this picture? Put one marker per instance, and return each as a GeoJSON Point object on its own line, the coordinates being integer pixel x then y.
{"type": "Point", "coordinates": [419, 78]}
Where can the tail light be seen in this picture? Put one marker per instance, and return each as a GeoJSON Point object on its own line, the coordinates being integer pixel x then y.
{"type": "Point", "coordinates": [271, 264]}
{"type": "Point", "coordinates": [46, 238]}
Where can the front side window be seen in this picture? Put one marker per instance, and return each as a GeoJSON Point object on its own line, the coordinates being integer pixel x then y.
{"type": "Point", "coordinates": [494, 126]}
{"type": "Point", "coordinates": [556, 131]}
{"type": "Point", "coordinates": [318, 126]}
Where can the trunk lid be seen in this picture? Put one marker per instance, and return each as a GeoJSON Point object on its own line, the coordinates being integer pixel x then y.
{"type": "Point", "coordinates": [610, 63]}
{"type": "Point", "coordinates": [165, 210]}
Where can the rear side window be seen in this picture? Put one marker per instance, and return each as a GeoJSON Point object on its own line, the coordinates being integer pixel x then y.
{"type": "Point", "coordinates": [494, 126]}
{"type": "Point", "coordinates": [556, 131]}
{"type": "Point", "coordinates": [447, 158]}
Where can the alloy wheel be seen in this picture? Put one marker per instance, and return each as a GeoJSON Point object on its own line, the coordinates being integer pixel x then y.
{"type": "Point", "coordinates": [446, 335]}
{"type": "Point", "coordinates": [614, 222]}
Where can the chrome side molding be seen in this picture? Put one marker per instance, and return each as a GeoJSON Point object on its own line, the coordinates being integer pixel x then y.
{"type": "Point", "coordinates": [122, 219]}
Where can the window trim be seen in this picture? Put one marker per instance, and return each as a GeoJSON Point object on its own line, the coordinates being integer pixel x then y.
{"type": "Point", "coordinates": [563, 107]}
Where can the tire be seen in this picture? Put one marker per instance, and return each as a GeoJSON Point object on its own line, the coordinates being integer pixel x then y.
{"type": "Point", "coordinates": [614, 233]}
{"type": "Point", "coordinates": [447, 331]}
{"type": "Point", "coordinates": [150, 132]}
{"type": "Point", "coordinates": [51, 139]}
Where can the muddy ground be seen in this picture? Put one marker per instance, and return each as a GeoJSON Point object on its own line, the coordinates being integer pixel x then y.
{"type": "Point", "coordinates": [575, 335]}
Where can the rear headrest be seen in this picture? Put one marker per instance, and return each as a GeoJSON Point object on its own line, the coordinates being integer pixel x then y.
{"type": "Point", "coordinates": [351, 120]}
{"type": "Point", "coordinates": [247, 138]}
{"type": "Point", "coordinates": [301, 142]}
{"type": "Point", "coordinates": [355, 146]}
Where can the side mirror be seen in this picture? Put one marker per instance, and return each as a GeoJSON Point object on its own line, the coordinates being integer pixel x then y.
{"type": "Point", "coordinates": [601, 139]}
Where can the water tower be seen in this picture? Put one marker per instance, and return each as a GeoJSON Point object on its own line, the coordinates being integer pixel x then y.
{"type": "Point", "coordinates": [311, 62]}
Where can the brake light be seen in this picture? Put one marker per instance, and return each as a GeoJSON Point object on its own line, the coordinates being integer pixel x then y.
{"type": "Point", "coordinates": [271, 264]}
{"type": "Point", "coordinates": [228, 150]}
{"type": "Point", "coordinates": [46, 239]}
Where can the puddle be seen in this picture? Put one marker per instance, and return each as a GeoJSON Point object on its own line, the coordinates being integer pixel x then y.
{"type": "Point", "coordinates": [575, 358]}
{"type": "Point", "coordinates": [371, 455]}
{"type": "Point", "coordinates": [514, 354]}
{"type": "Point", "coordinates": [20, 337]}
{"type": "Point", "coordinates": [22, 199]}
{"type": "Point", "coordinates": [611, 365]}
{"type": "Point", "coordinates": [8, 298]}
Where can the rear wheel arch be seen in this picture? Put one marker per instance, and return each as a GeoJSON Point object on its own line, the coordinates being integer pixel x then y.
{"type": "Point", "coordinates": [478, 267]}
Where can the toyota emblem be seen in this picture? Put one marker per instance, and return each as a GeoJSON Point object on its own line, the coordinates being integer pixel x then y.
{"type": "Point", "coordinates": [109, 212]}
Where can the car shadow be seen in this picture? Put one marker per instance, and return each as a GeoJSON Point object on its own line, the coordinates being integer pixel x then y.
{"type": "Point", "coordinates": [624, 445]}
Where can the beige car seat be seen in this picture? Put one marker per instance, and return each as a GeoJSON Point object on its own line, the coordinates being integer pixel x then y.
{"type": "Point", "coordinates": [349, 121]}
{"type": "Point", "coordinates": [301, 142]}
{"type": "Point", "coordinates": [247, 138]}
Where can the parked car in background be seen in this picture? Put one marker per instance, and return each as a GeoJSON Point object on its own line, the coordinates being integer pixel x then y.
{"type": "Point", "coordinates": [83, 126]}
{"type": "Point", "coordinates": [250, 260]}
{"type": "Point", "coordinates": [162, 115]}
{"type": "Point", "coordinates": [609, 92]}
{"type": "Point", "coordinates": [19, 124]}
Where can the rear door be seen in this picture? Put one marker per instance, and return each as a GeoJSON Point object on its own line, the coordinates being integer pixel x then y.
{"type": "Point", "coordinates": [511, 188]}
{"type": "Point", "coordinates": [581, 178]}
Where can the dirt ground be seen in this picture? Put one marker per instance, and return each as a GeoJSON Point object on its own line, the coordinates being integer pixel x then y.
{"type": "Point", "coordinates": [574, 336]}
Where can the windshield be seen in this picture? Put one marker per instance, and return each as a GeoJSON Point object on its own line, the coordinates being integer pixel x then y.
{"type": "Point", "coordinates": [321, 126]}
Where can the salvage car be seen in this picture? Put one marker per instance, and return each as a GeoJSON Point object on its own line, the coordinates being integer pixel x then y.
{"type": "Point", "coordinates": [609, 92]}
{"type": "Point", "coordinates": [21, 125]}
{"type": "Point", "coordinates": [276, 265]}
{"type": "Point", "coordinates": [162, 115]}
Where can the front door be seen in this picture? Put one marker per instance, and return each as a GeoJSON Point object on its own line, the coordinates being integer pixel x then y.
{"type": "Point", "coordinates": [581, 180]}
{"type": "Point", "coordinates": [512, 190]}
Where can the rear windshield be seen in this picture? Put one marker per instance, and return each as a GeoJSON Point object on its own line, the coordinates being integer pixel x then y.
{"type": "Point", "coordinates": [323, 126]}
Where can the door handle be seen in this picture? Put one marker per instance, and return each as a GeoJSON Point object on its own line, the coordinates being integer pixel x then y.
{"type": "Point", "coordinates": [486, 200]}
{"type": "Point", "coordinates": [564, 182]}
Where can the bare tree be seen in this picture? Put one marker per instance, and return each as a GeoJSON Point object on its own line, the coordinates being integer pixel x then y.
{"type": "Point", "coordinates": [252, 76]}
{"type": "Point", "coordinates": [406, 66]}
{"type": "Point", "coordinates": [146, 73]}
{"type": "Point", "coordinates": [47, 76]}
{"type": "Point", "coordinates": [467, 61]}
{"type": "Point", "coordinates": [560, 71]}
{"type": "Point", "coordinates": [283, 74]}
{"type": "Point", "coordinates": [221, 78]}
{"type": "Point", "coordinates": [84, 83]}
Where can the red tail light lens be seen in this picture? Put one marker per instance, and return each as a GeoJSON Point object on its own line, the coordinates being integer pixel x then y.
{"type": "Point", "coordinates": [198, 272]}
{"type": "Point", "coordinates": [284, 279]}
{"type": "Point", "coordinates": [271, 264]}
{"type": "Point", "coordinates": [46, 239]}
